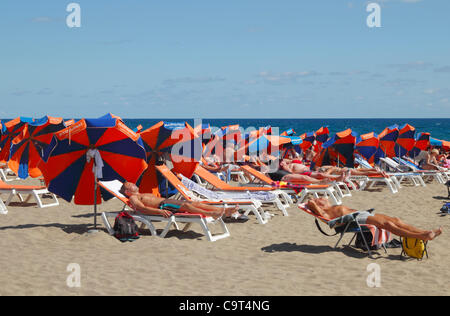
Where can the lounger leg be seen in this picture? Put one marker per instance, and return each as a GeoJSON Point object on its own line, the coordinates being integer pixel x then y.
{"type": "Point", "coordinates": [169, 224]}
{"type": "Point", "coordinates": [3, 209]}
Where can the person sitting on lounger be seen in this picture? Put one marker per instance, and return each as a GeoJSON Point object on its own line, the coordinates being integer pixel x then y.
{"type": "Point", "coordinates": [149, 204]}
{"type": "Point", "coordinates": [322, 207]}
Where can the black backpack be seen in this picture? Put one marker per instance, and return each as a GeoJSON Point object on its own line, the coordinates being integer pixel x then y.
{"type": "Point", "coordinates": [125, 229]}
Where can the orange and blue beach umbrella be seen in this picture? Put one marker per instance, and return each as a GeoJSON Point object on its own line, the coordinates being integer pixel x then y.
{"type": "Point", "coordinates": [308, 140]}
{"type": "Point", "coordinates": [322, 135]}
{"type": "Point", "coordinates": [28, 147]}
{"type": "Point", "coordinates": [388, 138]}
{"type": "Point", "coordinates": [405, 141]}
{"type": "Point", "coordinates": [343, 145]}
{"type": "Point", "coordinates": [270, 144]}
{"type": "Point", "coordinates": [68, 171]}
{"type": "Point", "coordinates": [11, 130]}
{"type": "Point", "coordinates": [422, 143]}
{"type": "Point", "coordinates": [169, 141]}
{"type": "Point", "coordinates": [367, 145]}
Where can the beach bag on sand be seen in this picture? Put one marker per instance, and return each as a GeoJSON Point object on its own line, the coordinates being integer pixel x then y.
{"type": "Point", "coordinates": [359, 242]}
{"type": "Point", "coordinates": [445, 208]}
{"type": "Point", "coordinates": [414, 248]}
{"type": "Point", "coordinates": [125, 229]}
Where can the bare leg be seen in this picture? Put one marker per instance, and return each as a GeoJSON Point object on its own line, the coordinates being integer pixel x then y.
{"type": "Point", "coordinates": [190, 208]}
{"type": "Point", "coordinates": [299, 178]}
{"type": "Point", "coordinates": [211, 208]}
{"type": "Point", "coordinates": [403, 230]}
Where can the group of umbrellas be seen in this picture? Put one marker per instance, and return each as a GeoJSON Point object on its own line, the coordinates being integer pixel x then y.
{"type": "Point", "coordinates": [72, 155]}
{"type": "Point", "coordinates": [393, 141]}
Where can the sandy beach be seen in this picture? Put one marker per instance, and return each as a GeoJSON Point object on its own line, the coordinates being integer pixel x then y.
{"type": "Point", "coordinates": [287, 256]}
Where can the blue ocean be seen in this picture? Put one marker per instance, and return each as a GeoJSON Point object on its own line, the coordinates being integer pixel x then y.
{"type": "Point", "coordinates": [438, 128]}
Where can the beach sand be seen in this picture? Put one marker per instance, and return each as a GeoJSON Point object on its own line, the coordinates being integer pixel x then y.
{"type": "Point", "coordinates": [287, 256]}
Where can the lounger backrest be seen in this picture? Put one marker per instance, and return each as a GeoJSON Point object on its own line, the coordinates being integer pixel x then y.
{"type": "Point", "coordinates": [113, 187]}
{"type": "Point", "coordinates": [172, 178]}
{"type": "Point", "coordinates": [259, 175]}
{"type": "Point", "coordinates": [211, 179]}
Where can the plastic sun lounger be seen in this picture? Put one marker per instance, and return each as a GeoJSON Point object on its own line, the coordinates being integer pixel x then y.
{"type": "Point", "coordinates": [113, 187]}
{"type": "Point", "coordinates": [437, 175]}
{"type": "Point", "coordinates": [369, 181]}
{"type": "Point", "coordinates": [306, 188]}
{"type": "Point", "coordinates": [6, 174]}
{"type": "Point", "coordinates": [218, 184]}
{"type": "Point", "coordinates": [348, 224]}
{"type": "Point", "coordinates": [405, 171]}
{"type": "Point", "coordinates": [32, 191]}
{"type": "Point", "coordinates": [249, 206]}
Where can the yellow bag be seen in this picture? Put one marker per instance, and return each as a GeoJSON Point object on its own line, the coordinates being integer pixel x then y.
{"type": "Point", "coordinates": [413, 247]}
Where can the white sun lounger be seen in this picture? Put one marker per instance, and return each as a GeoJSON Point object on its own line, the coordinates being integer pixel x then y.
{"type": "Point", "coordinates": [32, 191]}
{"type": "Point", "coordinates": [113, 187]}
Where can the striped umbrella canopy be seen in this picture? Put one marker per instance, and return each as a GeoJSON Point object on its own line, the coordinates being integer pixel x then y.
{"type": "Point", "coordinates": [28, 147]}
{"type": "Point", "coordinates": [405, 141]}
{"type": "Point", "coordinates": [173, 142]}
{"type": "Point", "coordinates": [388, 137]}
{"type": "Point", "coordinates": [322, 134]}
{"type": "Point", "coordinates": [422, 143]}
{"type": "Point", "coordinates": [367, 145]}
{"type": "Point", "coordinates": [308, 140]}
{"type": "Point", "coordinates": [220, 137]}
{"type": "Point", "coordinates": [343, 144]}
{"type": "Point", "coordinates": [69, 171]}
{"type": "Point", "coordinates": [269, 144]}
{"type": "Point", "coordinates": [11, 130]}
{"type": "Point", "coordinates": [439, 143]}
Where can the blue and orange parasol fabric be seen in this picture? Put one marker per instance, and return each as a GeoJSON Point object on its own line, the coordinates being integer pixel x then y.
{"type": "Point", "coordinates": [388, 138]}
{"type": "Point", "coordinates": [422, 143]}
{"type": "Point", "coordinates": [405, 141]}
{"type": "Point", "coordinates": [367, 145]}
{"type": "Point", "coordinates": [307, 140]}
{"type": "Point", "coordinates": [117, 154]}
{"type": "Point", "coordinates": [11, 130]}
{"type": "Point", "coordinates": [268, 144]}
{"type": "Point", "coordinates": [28, 147]}
{"type": "Point", "coordinates": [342, 145]}
{"type": "Point", "coordinates": [169, 141]}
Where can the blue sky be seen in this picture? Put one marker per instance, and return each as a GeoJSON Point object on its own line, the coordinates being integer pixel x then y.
{"type": "Point", "coordinates": [225, 59]}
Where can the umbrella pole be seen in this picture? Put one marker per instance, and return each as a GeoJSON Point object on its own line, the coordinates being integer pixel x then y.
{"type": "Point", "coordinates": [95, 203]}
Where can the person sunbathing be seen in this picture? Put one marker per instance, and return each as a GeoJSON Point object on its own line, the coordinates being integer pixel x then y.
{"type": "Point", "coordinates": [322, 207]}
{"type": "Point", "coordinates": [333, 170]}
{"type": "Point", "coordinates": [149, 204]}
{"type": "Point", "coordinates": [300, 173]}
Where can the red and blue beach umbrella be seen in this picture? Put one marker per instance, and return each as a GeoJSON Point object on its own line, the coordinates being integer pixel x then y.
{"type": "Point", "coordinates": [343, 144]}
{"type": "Point", "coordinates": [166, 141]}
{"type": "Point", "coordinates": [367, 145]}
{"type": "Point", "coordinates": [68, 172]}
{"type": "Point", "coordinates": [28, 147]}
{"type": "Point", "coordinates": [308, 140]}
{"type": "Point", "coordinates": [405, 141]}
{"type": "Point", "coordinates": [11, 130]}
{"type": "Point", "coordinates": [388, 138]}
{"type": "Point", "coordinates": [422, 143]}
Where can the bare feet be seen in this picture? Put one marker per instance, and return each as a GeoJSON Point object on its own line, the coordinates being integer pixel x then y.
{"type": "Point", "coordinates": [231, 210]}
{"type": "Point", "coordinates": [433, 234]}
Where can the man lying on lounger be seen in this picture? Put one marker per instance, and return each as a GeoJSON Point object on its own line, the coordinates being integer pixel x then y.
{"type": "Point", "coordinates": [322, 207]}
{"type": "Point", "coordinates": [149, 204]}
